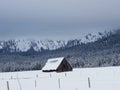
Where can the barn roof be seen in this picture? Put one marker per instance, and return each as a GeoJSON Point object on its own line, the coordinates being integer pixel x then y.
{"type": "Point", "coordinates": [52, 64]}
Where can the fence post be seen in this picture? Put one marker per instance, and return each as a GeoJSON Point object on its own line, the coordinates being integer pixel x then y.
{"type": "Point", "coordinates": [8, 86]}
{"type": "Point", "coordinates": [65, 74]}
{"type": "Point", "coordinates": [50, 75]}
{"type": "Point", "coordinates": [37, 76]}
{"type": "Point", "coordinates": [35, 84]}
{"type": "Point", "coordinates": [19, 83]}
{"type": "Point", "coordinates": [89, 84]}
{"type": "Point", "coordinates": [59, 83]}
{"type": "Point", "coordinates": [11, 77]}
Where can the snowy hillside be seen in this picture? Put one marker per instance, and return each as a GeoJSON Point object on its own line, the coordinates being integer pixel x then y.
{"type": "Point", "coordinates": [38, 45]}
{"type": "Point", "coordinates": [91, 37]}
{"type": "Point", "coordinates": [80, 79]}
{"type": "Point", "coordinates": [25, 44]}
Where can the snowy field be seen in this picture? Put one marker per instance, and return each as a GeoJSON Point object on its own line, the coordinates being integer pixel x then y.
{"type": "Point", "coordinates": [79, 79]}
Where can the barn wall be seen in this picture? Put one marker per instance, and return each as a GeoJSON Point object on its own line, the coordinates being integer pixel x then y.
{"type": "Point", "coordinates": [64, 66]}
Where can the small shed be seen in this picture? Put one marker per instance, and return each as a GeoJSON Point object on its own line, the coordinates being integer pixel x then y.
{"type": "Point", "coordinates": [57, 65]}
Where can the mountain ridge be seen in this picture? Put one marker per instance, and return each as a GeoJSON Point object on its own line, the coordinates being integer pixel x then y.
{"type": "Point", "coordinates": [23, 45]}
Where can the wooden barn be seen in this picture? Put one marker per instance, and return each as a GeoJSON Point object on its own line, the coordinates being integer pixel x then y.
{"type": "Point", "coordinates": [57, 65]}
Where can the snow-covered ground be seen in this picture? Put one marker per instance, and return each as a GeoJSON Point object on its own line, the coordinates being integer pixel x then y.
{"type": "Point", "coordinates": [107, 78]}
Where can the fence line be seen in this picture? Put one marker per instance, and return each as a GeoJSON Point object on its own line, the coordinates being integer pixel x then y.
{"type": "Point", "coordinates": [37, 76]}
{"type": "Point", "coordinates": [35, 83]}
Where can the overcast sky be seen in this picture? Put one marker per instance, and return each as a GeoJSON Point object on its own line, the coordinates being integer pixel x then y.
{"type": "Point", "coordinates": [57, 19]}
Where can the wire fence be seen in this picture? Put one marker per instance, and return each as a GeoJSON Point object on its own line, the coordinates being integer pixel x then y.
{"type": "Point", "coordinates": [37, 77]}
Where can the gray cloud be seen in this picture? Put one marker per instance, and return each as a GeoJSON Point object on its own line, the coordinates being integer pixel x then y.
{"type": "Point", "coordinates": [59, 19]}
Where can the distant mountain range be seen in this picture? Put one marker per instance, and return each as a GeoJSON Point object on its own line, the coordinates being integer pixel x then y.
{"type": "Point", "coordinates": [23, 45]}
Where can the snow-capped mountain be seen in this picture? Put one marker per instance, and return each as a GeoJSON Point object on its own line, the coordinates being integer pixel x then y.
{"type": "Point", "coordinates": [92, 37]}
{"type": "Point", "coordinates": [39, 45]}
{"type": "Point", "coordinates": [25, 44]}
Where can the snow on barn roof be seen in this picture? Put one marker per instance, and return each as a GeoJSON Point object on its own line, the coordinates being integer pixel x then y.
{"type": "Point", "coordinates": [52, 64]}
